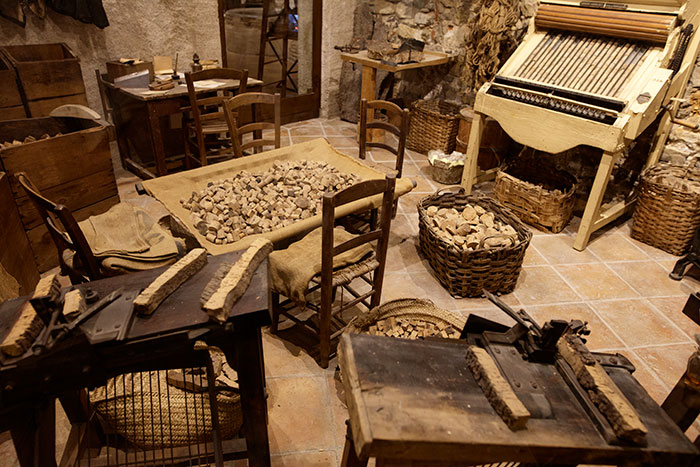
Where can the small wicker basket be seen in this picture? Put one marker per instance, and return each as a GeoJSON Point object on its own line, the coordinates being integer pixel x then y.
{"type": "Point", "coordinates": [466, 273]}
{"type": "Point", "coordinates": [667, 216]}
{"type": "Point", "coordinates": [537, 192]}
{"type": "Point", "coordinates": [434, 125]}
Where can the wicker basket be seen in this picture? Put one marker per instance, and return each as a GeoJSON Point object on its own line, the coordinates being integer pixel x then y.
{"type": "Point", "coordinates": [667, 217]}
{"type": "Point", "coordinates": [537, 192]}
{"type": "Point", "coordinates": [411, 308]}
{"type": "Point", "coordinates": [151, 414]}
{"type": "Point", "coordinates": [434, 125]}
{"type": "Point", "coordinates": [466, 273]}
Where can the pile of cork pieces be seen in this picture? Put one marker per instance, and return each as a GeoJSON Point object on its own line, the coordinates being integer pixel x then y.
{"type": "Point", "coordinates": [28, 139]}
{"type": "Point", "coordinates": [409, 328]}
{"type": "Point", "coordinates": [471, 229]}
{"type": "Point", "coordinates": [254, 203]}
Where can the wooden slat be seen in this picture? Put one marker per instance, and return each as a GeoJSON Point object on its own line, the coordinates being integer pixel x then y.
{"type": "Point", "coordinates": [12, 113]}
{"type": "Point", "coordinates": [42, 107]}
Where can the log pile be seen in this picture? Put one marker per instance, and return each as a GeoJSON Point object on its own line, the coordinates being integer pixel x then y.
{"type": "Point", "coordinates": [254, 203]}
{"type": "Point", "coordinates": [410, 328]}
{"type": "Point", "coordinates": [472, 228]}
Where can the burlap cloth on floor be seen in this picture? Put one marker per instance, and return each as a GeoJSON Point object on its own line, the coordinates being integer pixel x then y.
{"type": "Point", "coordinates": [291, 269]}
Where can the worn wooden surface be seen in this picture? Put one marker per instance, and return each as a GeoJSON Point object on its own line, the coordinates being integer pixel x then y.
{"type": "Point", "coordinates": [11, 105]}
{"type": "Point", "coordinates": [430, 58]}
{"type": "Point", "coordinates": [16, 254]}
{"type": "Point", "coordinates": [418, 400]}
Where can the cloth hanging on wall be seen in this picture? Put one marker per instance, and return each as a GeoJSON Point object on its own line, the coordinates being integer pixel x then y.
{"type": "Point", "coordinates": [15, 10]}
{"type": "Point", "coordinates": [87, 11]}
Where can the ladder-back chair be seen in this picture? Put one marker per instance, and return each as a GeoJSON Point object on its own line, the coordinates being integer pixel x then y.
{"type": "Point", "coordinates": [235, 106]}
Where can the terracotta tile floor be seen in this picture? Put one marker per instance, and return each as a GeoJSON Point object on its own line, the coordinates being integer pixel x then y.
{"type": "Point", "coordinates": [618, 285]}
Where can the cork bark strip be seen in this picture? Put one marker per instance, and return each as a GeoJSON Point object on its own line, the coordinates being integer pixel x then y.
{"type": "Point", "coordinates": [496, 389]}
{"type": "Point", "coordinates": [74, 304]}
{"type": "Point", "coordinates": [602, 390]}
{"type": "Point", "coordinates": [23, 333]}
{"type": "Point", "coordinates": [236, 281]}
{"type": "Point", "coordinates": [169, 281]}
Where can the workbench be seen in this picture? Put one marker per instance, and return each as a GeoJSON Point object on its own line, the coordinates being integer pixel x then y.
{"type": "Point", "coordinates": [369, 75]}
{"type": "Point", "coordinates": [416, 400]}
{"type": "Point", "coordinates": [30, 384]}
{"type": "Point", "coordinates": [139, 118]}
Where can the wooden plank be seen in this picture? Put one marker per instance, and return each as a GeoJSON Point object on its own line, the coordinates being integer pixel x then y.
{"type": "Point", "coordinates": [430, 59]}
{"type": "Point", "coordinates": [16, 254]}
{"type": "Point", "coordinates": [43, 107]}
{"type": "Point", "coordinates": [165, 284]}
{"type": "Point", "coordinates": [9, 92]}
{"type": "Point", "coordinates": [74, 194]}
{"type": "Point", "coordinates": [36, 127]}
{"type": "Point", "coordinates": [45, 254]}
{"type": "Point", "coordinates": [12, 113]}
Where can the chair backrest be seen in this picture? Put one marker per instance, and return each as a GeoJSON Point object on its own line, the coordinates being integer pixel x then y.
{"type": "Point", "coordinates": [70, 238]}
{"type": "Point", "coordinates": [393, 112]}
{"type": "Point", "coordinates": [233, 109]}
{"type": "Point", "coordinates": [380, 234]}
{"type": "Point", "coordinates": [106, 106]}
{"type": "Point", "coordinates": [209, 107]}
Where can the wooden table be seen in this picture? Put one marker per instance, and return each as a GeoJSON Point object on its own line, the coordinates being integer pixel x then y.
{"type": "Point", "coordinates": [369, 74]}
{"type": "Point", "coordinates": [139, 109]}
{"type": "Point", "coordinates": [412, 400]}
{"type": "Point", "coordinates": [30, 384]}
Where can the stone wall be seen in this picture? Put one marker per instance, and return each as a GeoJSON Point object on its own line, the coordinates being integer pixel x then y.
{"type": "Point", "coordinates": [138, 28]}
{"type": "Point", "coordinates": [337, 29]}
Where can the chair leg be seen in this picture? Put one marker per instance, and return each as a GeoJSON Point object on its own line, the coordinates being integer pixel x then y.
{"type": "Point", "coordinates": [324, 331]}
{"type": "Point", "coordinates": [188, 153]}
{"type": "Point", "coordinates": [274, 307]}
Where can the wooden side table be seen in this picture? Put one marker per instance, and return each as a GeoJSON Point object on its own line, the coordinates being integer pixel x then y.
{"type": "Point", "coordinates": [369, 75]}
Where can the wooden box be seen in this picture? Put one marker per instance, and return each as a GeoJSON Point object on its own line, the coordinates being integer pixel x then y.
{"type": "Point", "coordinates": [49, 74]}
{"type": "Point", "coordinates": [15, 254]}
{"type": "Point", "coordinates": [115, 69]}
{"type": "Point", "coordinates": [11, 106]}
{"type": "Point", "coordinates": [73, 169]}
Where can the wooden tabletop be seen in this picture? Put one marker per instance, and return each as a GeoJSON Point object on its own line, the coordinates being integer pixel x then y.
{"type": "Point", "coordinates": [180, 89]}
{"type": "Point", "coordinates": [413, 399]}
{"type": "Point", "coordinates": [430, 58]}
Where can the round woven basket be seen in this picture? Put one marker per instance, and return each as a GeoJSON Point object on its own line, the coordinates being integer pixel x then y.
{"type": "Point", "coordinates": [466, 273]}
{"type": "Point", "coordinates": [434, 125]}
{"type": "Point", "coordinates": [537, 192]}
{"type": "Point", "coordinates": [411, 308]}
{"type": "Point", "coordinates": [151, 414]}
{"type": "Point", "coordinates": [667, 217]}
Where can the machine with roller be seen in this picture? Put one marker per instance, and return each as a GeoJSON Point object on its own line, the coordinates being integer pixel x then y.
{"type": "Point", "coordinates": [595, 74]}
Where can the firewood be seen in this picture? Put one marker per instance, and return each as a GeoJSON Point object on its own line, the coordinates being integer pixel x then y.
{"type": "Point", "coordinates": [27, 327]}
{"type": "Point", "coordinates": [234, 284]}
{"type": "Point", "coordinates": [74, 304]}
{"type": "Point", "coordinates": [602, 390]}
{"type": "Point", "coordinates": [165, 284]}
{"type": "Point", "coordinates": [496, 389]}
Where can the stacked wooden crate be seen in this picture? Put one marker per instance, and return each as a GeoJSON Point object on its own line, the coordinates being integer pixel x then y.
{"type": "Point", "coordinates": [48, 75]}
{"type": "Point", "coordinates": [11, 105]}
{"type": "Point", "coordinates": [73, 167]}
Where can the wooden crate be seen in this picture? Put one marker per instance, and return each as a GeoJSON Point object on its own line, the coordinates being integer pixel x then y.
{"type": "Point", "coordinates": [74, 169]}
{"type": "Point", "coordinates": [47, 71]}
{"type": "Point", "coordinates": [11, 106]}
{"type": "Point", "coordinates": [115, 69]}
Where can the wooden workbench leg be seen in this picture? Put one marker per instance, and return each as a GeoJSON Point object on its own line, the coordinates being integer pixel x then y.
{"type": "Point", "coordinates": [251, 379]}
{"type": "Point", "coordinates": [472, 157]}
{"type": "Point", "coordinates": [350, 458]}
{"type": "Point", "coordinates": [34, 436]}
{"type": "Point", "coordinates": [156, 139]}
{"type": "Point", "coordinates": [369, 87]}
{"type": "Point", "coordinates": [595, 198]}
{"type": "Point", "coordinates": [660, 142]}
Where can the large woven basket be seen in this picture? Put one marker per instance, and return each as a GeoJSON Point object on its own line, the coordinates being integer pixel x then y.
{"type": "Point", "coordinates": [466, 273]}
{"type": "Point", "coordinates": [667, 217]}
{"type": "Point", "coordinates": [434, 125]}
{"type": "Point", "coordinates": [537, 192]}
{"type": "Point", "coordinates": [411, 308]}
{"type": "Point", "coordinates": [151, 414]}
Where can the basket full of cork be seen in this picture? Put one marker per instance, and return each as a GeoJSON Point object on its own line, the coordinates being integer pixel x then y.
{"type": "Point", "coordinates": [471, 242]}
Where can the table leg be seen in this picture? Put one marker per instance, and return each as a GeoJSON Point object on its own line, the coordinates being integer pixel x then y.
{"type": "Point", "coordinates": [471, 163]}
{"type": "Point", "coordinates": [156, 138]}
{"type": "Point", "coordinates": [369, 86]}
{"type": "Point", "coordinates": [350, 458]}
{"type": "Point", "coordinates": [251, 378]}
{"type": "Point", "coordinates": [34, 436]}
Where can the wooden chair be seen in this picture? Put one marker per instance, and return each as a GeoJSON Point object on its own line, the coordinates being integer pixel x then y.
{"type": "Point", "coordinates": [394, 112]}
{"type": "Point", "coordinates": [104, 98]}
{"type": "Point", "coordinates": [75, 257]}
{"type": "Point", "coordinates": [234, 108]}
{"type": "Point", "coordinates": [371, 269]}
{"type": "Point", "coordinates": [208, 121]}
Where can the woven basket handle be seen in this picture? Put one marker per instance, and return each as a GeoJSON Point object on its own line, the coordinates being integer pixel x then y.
{"type": "Point", "coordinates": [452, 190]}
{"type": "Point", "coordinates": [483, 240]}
